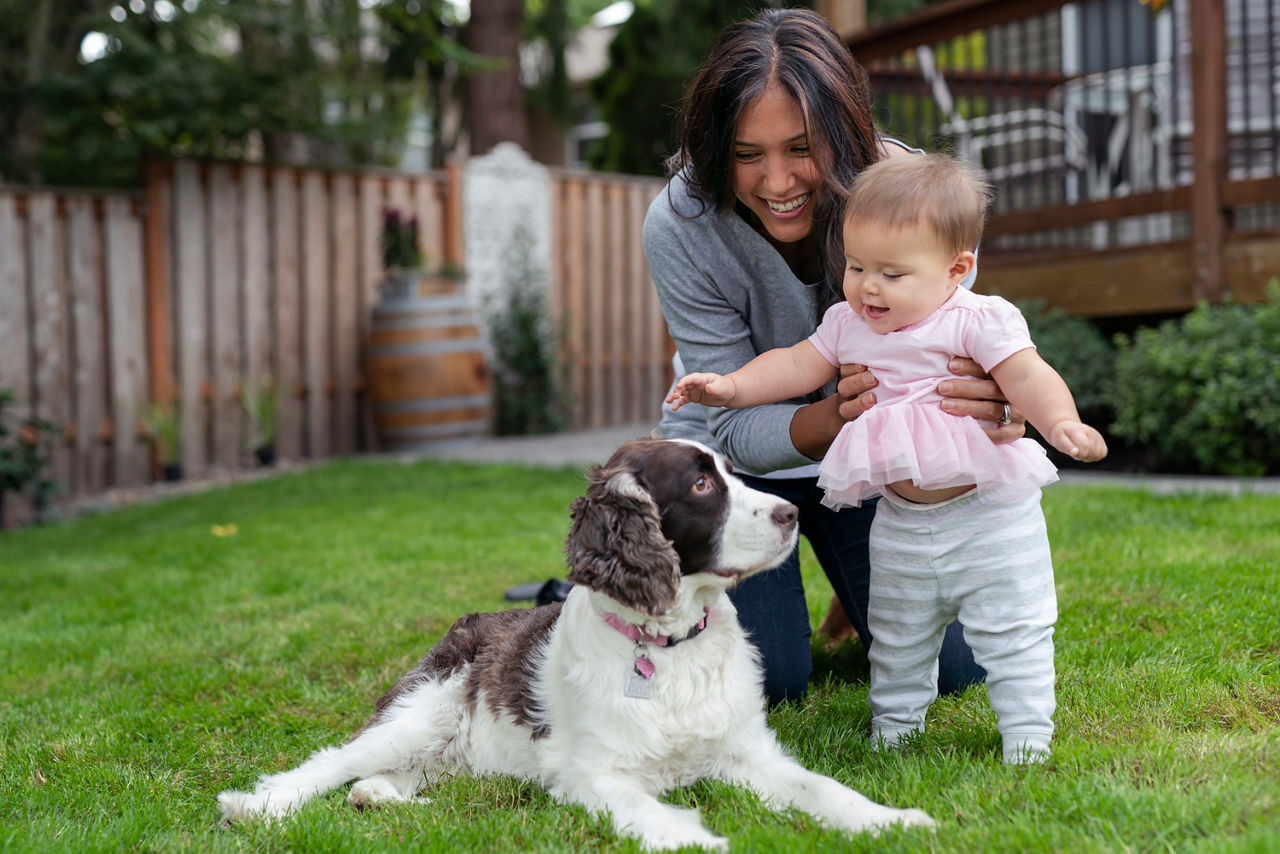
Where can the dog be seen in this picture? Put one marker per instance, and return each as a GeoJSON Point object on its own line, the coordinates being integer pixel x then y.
{"type": "Point", "coordinates": [640, 681]}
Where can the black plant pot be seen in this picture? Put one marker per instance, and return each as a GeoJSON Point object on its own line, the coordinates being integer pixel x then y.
{"type": "Point", "coordinates": [266, 455]}
{"type": "Point", "coordinates": [172, 471]}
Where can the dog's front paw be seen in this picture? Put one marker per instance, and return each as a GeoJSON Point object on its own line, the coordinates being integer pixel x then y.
{"type": "Point", "coordinates": [883, 818]}
{"type": "Point", "coordinates": [679, 829]}
{"type": "Point", "coordinates": [247, 806]}
{"type": "Point", "coordinates": [366, 794]}
{"type": "Point", "coordinates": [704, 839]}
{"type": "Point", "coordinates": [914, 818]}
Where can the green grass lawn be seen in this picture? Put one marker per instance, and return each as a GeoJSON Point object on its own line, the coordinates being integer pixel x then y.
{"type": "Point", "coordinates": [147, 663]}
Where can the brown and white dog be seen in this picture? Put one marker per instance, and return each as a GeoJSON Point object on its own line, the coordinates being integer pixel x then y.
{"type": "Point", "coordinates": [642, 681]}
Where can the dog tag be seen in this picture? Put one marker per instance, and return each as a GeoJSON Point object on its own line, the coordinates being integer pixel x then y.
{"type": "Point", "coordinates": [637, 686]}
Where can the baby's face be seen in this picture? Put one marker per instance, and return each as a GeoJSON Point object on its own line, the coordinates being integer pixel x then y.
{"type": "Point", "coordinates": [895, 277]}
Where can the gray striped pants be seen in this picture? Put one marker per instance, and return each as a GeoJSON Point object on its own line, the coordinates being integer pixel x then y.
{"type": "Point", "coordinates": [988, 565]}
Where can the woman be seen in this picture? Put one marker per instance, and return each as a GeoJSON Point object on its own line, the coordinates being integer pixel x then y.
{"type": "Point", "coordinates": [745, 250]}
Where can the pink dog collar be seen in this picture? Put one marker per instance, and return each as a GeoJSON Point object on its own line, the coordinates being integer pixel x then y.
{"type": "Point", "coordinates": [642, 671]}
{"type": "Point", "coordinates": [640, 636]}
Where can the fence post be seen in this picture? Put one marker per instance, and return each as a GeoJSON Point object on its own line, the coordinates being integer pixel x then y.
{"type": "Point", "coordinates": [1209, 223]}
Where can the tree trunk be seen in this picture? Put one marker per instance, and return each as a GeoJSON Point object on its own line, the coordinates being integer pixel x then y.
{"type": "Point", "coordinates": [495, 99]}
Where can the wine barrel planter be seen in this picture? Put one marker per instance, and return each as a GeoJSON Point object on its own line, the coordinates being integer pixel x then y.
{"type": "Point", "coordinates": [426, 368]}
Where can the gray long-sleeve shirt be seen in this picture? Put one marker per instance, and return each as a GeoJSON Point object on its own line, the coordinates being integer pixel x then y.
{"type": "Point", "coordinates": [727, 296]}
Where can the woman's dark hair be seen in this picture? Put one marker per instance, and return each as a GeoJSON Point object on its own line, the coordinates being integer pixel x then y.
{"type": "Point", "coordinates": [797, 50]}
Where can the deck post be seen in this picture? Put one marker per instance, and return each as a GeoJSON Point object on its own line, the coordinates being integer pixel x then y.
{"type": "Point", "coordinates": [1209, 215]}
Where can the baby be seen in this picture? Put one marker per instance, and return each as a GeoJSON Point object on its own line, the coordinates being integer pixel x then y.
{"type": "Point", "coordinates": [960, 532]}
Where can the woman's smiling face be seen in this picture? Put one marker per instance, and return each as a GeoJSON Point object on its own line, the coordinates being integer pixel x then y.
{"type": "Point", "coordinates": [774, 173]}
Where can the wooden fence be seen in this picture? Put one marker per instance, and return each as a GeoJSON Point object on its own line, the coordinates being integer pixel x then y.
{"type": "Point", "coordinates": [617, 348]}
{"type": "Point", "coordinates": [218, 275]}
{"type": "Point", "coordinates": [272, 272]}
{"type": "Point", "coordinates": [72, 330]}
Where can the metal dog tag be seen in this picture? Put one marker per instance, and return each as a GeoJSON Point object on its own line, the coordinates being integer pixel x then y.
{"type": "Point", "coordinates": [636, 685]}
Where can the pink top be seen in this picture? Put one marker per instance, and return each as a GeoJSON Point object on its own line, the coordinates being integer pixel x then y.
{"type": "Point", "coordinates": [906, 435]}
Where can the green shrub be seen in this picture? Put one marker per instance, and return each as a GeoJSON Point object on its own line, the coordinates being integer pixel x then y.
{"type": "Point", "coordinates": [529, 383]}
{"type": "Point", "coordinates": [1078, 350]}
{"type": "Point", "coordinates": [26, 449]}
{"type": "Point", "coordinates": [1204, 390]}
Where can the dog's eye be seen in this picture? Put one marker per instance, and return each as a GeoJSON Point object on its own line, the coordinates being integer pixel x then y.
{"type": "Point", "coordinates": [702, 485]}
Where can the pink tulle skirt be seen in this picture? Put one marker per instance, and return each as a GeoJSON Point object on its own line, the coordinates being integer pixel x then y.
{"type": "Point", "coordinates": [934, 450]}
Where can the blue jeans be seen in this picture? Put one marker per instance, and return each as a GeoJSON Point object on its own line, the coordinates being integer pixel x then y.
{"type": "Point", "coordinates": [772, 607]}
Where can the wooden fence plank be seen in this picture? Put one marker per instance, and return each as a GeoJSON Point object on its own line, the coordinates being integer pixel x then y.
{"type": "Point", "coordinates": [427, 206]}
{"type": "Point", "coordinates": [226, 415]}
{"type": "Point", "coordinates": [88, 345]}
{"type": "Point", "coordinates": [287, 324]}
{"type": "Point", "coordinates": [51, 379]}
{"type": "Point", "coordinates": [317, 312]}
{"type": "Point", "coordinates": [556, 293]}
{"type": "Point", "coordinates": [190, 290]}
{"type": "Point", "coordinates": [399, 197]}
{"type": "Point", "coordinates": [15, 365]}
{"type": "Point", "coordinates": [640, 403]}
{"type": "Point", "coordinates": [15, 330]}
{"type": "Point", "coordinates": [660, 344]}
{"type": "Point", "coordinates": [157, 236]}
{"type": "Point", "coordinates": [126, 316]}
{"type": "Point", "coordinates": [575, 302]}
{"type": "Point", "coordinates": [555, 270]}
{"type": "Point", "coordinates": [596, 355]}
{"type": "Point", "coordinates": [455, 249]}
{"type": "Point", "coordinates": [614, 287]}
{"type": "Point", "coordinates": [255, 285]}
{"type": "Point", "coordinates": [344, 353]}
{"type": "Point", "coordinates": [370, 258]}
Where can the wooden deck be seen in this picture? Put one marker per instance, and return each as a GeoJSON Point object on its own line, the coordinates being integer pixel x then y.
{"type": "Point", "coordinates": [1134, 153]}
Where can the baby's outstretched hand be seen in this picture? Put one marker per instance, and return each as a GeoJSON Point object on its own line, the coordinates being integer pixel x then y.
{"type": "Point", "coordinates": [1079, 441]}
{"type": "Point", "coordinates": [707, 389]}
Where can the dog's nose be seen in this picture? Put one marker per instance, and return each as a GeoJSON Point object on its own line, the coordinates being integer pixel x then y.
{"type": "Point", "coordinates": [784, 514]}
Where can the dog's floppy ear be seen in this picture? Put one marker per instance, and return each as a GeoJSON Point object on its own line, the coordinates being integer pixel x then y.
{"type": "Point", "coordinates": [616, 545]}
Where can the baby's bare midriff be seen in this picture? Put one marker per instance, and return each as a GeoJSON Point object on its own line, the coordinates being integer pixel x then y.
{"type": "Point", "coordinates": [911, 492]}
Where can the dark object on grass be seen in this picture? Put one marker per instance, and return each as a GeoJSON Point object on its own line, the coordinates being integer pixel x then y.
{"type": "Point", "coordinates": [542, 592]}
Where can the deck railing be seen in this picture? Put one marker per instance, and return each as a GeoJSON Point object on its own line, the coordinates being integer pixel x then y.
{"type": "Point", "coordinates": [1133, 146]}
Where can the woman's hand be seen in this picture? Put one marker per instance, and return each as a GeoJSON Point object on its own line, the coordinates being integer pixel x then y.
{"type": "Point", "coordinates": [815, 427]}
{"type": "Point", "coordinates": [981, 398]}
{"type": "Point", "coordinates": [855, 391]}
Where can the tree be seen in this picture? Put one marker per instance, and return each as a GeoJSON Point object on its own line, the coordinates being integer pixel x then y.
{"type": "Point", "coordinates": [329, 82]}
{"type": "Point", "coordinates": [425, 49]}
{"type": "Point", "coordinates": [651, 60]}
{"type": "Point", "coordinates": [39, 38]}
{"type": "Point", "coordinates": [495, 96]}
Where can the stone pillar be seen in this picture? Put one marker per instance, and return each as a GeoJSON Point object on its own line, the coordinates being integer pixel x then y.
{"type": "Point", "coordinates": [507, 220]}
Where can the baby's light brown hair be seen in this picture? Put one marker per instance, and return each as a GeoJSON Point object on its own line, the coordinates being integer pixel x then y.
{"type": "Point", "coordinates": [945, 195]}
